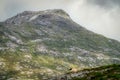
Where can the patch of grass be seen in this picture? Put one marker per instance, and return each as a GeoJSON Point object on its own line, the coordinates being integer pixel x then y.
{"type": "Point", "coordinates": [111, 72]}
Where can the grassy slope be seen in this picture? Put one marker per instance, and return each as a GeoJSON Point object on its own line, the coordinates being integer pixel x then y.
{"type": "Point", "coordinates": [111, 72]}
{"type": "Point", "coordinates": [21, 65]}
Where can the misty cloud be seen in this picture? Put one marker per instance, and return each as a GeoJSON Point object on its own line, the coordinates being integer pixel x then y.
{"type": "Point", "coordinates": [101, 16]}
{"type": "Point", "coordinates": [98, 18]}
{"type": "Point", "coordinates": [105, 3]}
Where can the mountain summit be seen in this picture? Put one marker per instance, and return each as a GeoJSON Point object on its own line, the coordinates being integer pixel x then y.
{"type": "Point", "coordinates": [41, 44]}
{"type": "Point", "coordinates": [29, 16]}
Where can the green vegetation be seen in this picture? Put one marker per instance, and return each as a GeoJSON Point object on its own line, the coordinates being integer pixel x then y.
{"type": "Point", "coordinates": [111, 72]}
{"type": "Point", "coordinates": [21, 65]}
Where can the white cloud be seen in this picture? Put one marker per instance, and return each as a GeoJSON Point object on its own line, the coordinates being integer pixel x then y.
{"type": "Point", "coordinates": [96, 18]}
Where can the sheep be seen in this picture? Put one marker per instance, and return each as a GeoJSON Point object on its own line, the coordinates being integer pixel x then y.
{"type": "Point", "coordinates": [74, 70]}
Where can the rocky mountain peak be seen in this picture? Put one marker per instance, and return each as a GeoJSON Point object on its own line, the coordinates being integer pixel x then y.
{"type": "Point", "coordinates": [28, 16]}
{"type": "Point", "coordinates": [59, 12]}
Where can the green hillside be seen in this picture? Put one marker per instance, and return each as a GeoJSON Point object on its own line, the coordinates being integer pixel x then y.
{"type": "Point", "coordinates": [111, 72]}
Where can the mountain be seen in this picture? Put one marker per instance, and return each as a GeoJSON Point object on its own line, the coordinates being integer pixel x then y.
{"type": "Point", "coordinates": [42, 44]}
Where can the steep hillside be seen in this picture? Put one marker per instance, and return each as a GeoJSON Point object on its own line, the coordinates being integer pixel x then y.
{"type": "Point", "coordinates": [111, 72]}
{"type": "Point", "coordinates": [38, 45]}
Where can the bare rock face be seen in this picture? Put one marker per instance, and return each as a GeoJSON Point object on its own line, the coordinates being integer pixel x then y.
{"type": "Point", "coordinates": [29, 16]}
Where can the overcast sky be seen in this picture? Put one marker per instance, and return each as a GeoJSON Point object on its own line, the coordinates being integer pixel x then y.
{"type": "Point", "coordinates": [100, 16]}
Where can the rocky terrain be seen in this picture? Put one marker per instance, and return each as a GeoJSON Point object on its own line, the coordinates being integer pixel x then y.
{"type": "Point", "coordinates": [44, 44]}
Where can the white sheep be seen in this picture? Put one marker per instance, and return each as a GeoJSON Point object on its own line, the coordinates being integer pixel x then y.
{"type": "Point", "coordinates": [74, 70]}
